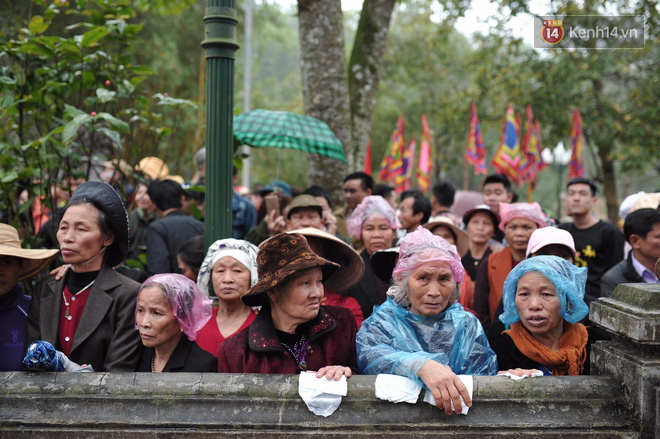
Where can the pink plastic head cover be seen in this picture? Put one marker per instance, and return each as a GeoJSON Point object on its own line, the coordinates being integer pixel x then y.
{"type": "Point", "coordinates": [421, 247]}
{"type": "Point", "coordinates": [190, 306]}
{"type": "Point", "coordinates": [547, 236]}
{"type": "Point", "coordinates": [528, 211]}
{"type": "Point", "coordinates": [372, 205]}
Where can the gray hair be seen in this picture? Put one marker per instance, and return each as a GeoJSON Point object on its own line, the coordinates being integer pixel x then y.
{"type": "Point", "coordinates": [398, 291]}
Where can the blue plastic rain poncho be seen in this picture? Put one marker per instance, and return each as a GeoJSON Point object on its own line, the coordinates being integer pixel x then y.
{"type": "Point", "coordinates": [396, 341]}
{"type": "Point", "coordinates": [569, 281]}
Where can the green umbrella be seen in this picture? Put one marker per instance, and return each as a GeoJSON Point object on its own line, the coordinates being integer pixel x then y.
{"type": "Point", "coordinates": [281, 129]}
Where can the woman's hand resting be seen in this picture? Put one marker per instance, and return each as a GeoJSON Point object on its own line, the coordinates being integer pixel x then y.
{"type": "Point", "coordinates": [334, 372]}
{"type": "Point", "coordinates": [445, 386]}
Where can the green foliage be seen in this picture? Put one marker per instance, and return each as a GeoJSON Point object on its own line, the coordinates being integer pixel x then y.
{"type": "Point", "coordinates": [71, 96]}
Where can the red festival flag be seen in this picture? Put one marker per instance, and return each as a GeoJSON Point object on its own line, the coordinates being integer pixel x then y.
{"type": "Point", "coordinates": [576, 166]}
{"type": "Point", "coordinates": [367, 159]}
{"type": "Point", "coordinates": [507, 157]}
{"type": "Point", "coordinates": [475, 152]}
{"type": "Point", "coordinates": [531, 151]}
{"type": "Point", "coordinates": [392, 164]}
{"type": "Point", "coordinates": [424, 164]}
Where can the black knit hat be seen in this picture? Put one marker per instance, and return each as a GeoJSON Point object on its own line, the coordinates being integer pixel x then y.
{"type": "Point", "coordinates": [106, 199]}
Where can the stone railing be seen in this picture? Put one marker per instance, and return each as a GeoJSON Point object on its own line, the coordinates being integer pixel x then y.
{"type": "Point", "coordinates": [621, 402]}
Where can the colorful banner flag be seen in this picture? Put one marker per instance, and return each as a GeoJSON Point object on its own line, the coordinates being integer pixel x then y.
{"type": "Point", "coordinates": [403, 180]}
{"type": "Point", "coordinates": [532, 161]}
{"type": "Point", "coordinates": [367, 159]}
{"type": "Point", "coordinates": [576, 165]}
{"type": "Point", "coordinates": [424, 164]}
{"type": "Point", "coordinates": [507, 157]}
{"type": "Point", "coordinates": [475, 152]}
{"type": "Point", "coordinates": [392, 164]}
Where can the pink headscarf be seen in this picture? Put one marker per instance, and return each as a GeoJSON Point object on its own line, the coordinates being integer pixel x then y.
{"type": "Point", "coordinates": [371, 205]}
{"type": "Point", "coordinates": [421, 247]}
{"type": "Point", "coordinates": [190, 306]}
{"type": "Point", "coordinates": [528, 211]}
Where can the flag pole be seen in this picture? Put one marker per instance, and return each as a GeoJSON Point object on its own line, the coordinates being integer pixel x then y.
{"type": "Point", "coordinates": [529, 192]}
{"type": "Point", "coordinates": [466, 176]}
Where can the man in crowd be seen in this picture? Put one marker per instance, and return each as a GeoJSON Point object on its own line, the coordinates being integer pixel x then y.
{"type": "Point", "coordinates": [495, 190]}
{"type": "Point", "coordinates": [171, 230]}
{"type": "Point", "coordinates": [599, 244]}
{"type": "Point", "coordinates": [414, 210]}
{"type": "Point", "coordinates": [304, 211]}
{"type": "Point", "coordinates": [442, 200]}
{"type": "Point", "coordinates": [356, 186]}
{"type": "Point", "coordinates": [642, 231]}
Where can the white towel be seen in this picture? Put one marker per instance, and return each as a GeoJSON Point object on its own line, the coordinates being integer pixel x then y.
{"type": "Point", "coordinates": [321, 395]}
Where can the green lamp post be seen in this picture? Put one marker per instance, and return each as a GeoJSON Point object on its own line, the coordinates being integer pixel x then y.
{"type": "Point", "coordinates": [220, 50]}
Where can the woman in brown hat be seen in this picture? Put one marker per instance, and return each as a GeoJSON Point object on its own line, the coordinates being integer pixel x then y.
{"type": "Point", "coordinates": [293, 332]}
{"type": "Point", "coordinates": [16, 264]}
{"type": "Point", "coordinates": [89, 314]}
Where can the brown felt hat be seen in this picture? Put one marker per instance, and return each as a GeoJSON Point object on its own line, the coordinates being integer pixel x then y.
{"type": "Point", "coordinates": [33, 261]}
{"type": "Point", "coordinates": [279, 258]}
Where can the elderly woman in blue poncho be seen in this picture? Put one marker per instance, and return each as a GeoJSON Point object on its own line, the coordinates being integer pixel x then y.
{"type": "Point", "coordinates": [421, 331]}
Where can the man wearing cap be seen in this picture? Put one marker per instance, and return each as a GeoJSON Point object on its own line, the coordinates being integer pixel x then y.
{"type": "Point", "coordinates": [598, 243]}
{"type": "Point", "coordinates": [171, 230]}
{"type": "Point", "coordinates": [16, 264]}
{"type": "Point", "coordinates": [642, 231]}
{"type": "Point", "coordinates": [304, 211]}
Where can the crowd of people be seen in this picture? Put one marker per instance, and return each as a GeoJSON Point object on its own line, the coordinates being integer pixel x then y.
{"type": "Point", "coordinates": [388, 283]}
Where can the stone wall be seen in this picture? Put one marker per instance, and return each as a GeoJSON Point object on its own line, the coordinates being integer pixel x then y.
{"type": "Point", "coordinates": [63, 405]}
{"type": "Point", "coordinates": [622, 399]}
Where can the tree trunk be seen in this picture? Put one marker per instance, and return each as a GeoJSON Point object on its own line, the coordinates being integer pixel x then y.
{"type": "Point", "coordinates": [364, 74]}
{"type": "Point", "coordinates": [605, 144]}
{"type": "Point", "coordinates": [325, 90]}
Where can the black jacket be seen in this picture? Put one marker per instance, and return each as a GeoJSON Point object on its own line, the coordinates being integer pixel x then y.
{"type": "Point", "coordinates": [187, 357]}
{"type": "Point", "coordinates": [106, 336]}
{"type": "Point", "coordinates": [621, 273]}
{"type": "Point", "coordinates": [165, 236]}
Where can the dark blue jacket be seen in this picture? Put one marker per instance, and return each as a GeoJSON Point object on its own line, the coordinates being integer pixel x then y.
{"type": "Point", "coordinates": [14, 307]}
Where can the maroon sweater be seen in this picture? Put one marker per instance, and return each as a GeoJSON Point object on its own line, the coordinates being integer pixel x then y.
{"type": "Point", "coordinates": [256, 349]}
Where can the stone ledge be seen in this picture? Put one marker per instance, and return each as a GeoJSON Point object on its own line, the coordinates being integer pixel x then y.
{"type": "Point", "coordinates": [247, 405]}
{"type": "Point", "coordinates": [633, 312]}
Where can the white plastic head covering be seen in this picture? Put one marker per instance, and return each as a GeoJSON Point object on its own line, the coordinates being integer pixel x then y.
{"type": "Point", "coordinates": [650, 201]}
{"type": "Point", "coordinates": [528, 211]}
{"type": "Point", "coordinates": [190, 306]}
{"type": "Point", "coordinates": [627, 204]}
{"type": "Point", "coordinates": [243, 251]}
{"type": "Point", "coordinates": [371, 205]}
{"type": "Point", "coordinates": [569, 282]}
